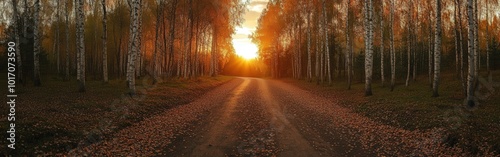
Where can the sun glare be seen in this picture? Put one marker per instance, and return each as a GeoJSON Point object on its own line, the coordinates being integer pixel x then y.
{"type": "Point", "coordinates": [245, 49]}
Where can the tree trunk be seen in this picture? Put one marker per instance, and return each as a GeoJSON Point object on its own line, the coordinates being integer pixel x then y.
{"type": "Point", "coordinates": [471, 57]}
{"type": "Point", "coordinates": [382, 76]}
{"type": "Point", "coordinates": [188, 41]}
{"type": "Point", "coordinates": [139, 56]}
{"type": "Point", "coordinates": [159, 16]}
{"type": "Point", "coordinates": [132, 52]}
{"type": "Point", "coordinates": [368, 46]}
{"type": "Point", "coordinates": [18, 49]}
{"type": "Point", "coordinates": [488, 38]}
{"type": "Point", "coordinates": [393, 53]}
{"type": "Point", "coordinates": [309, 64]}
{"type": "Point", "coordinates": [431, 49]}
{"type": "Point", "coordinates": [58, 57]}
{"type": "Point", "coordinates": [77, 41]}
{"type": "Point", "coordinates": [348, 47]}
{"type": "Point", "coordinates": [437, 50]}
{"type": "Point", "coordinates": [457, 47]}
{"type": "Point", "coordinates": [66, 76]}
{"type": "Point", "coordinates": [409, 44]}
{"type": "Point", "coordinates": [37, 44]}
{"type": "Point", "coordinates": [81, 44]}
{"type": "Point", "coordinates": [476, 40]}
{"type": "Point", "coordinates": [318, 63]}
{"type": "Point", "coordinates": [213, 59]}
{"type": "Point", "coordinates": [415, 42]}
{"type": "Point", "coordinates": [300, 50]}
{"type": "Point", "coordinates": [325, 24]}
{"type": "Point", "coordinates": [104, 43]}
{"type": "Point", "coordinates": [25, 38]}
{"type": "Point", "coordinates": [460, 43]}
{"type": "Point", "coordinates": [173, 11]}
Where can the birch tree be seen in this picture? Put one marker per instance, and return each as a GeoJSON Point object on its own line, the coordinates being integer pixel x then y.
{"type": "Point", "coordinates": [66, 76]}
{"type": "Point", "coordinates": [80, 31]}
{"type": "Point", "coordinates": [57, 41]}
{"type": "Point", "coordinates": [37, 44]}
{"type": "Point", "coordinates": [309, 64]}
{"type": "Point", "coordinates": [325, 25]}
{"type": "Point", "coordinates": [393, 53]}
{"type": "Point", "coordinates": [19, 62]}
{"type": "Point", "coordinates": [348, 46]}
{"type": "Point", "coordinates": [460, 39]}
{"type": "Point", "coordinates": [368, 46]}
{"type": "Point", "coordinates": [471, 77]}
{"type": "Point", "coordinates": [133, 42]}
{"type": "Point", "coordinates": [104, 43]}
{"type": "Point", "coordinates": [382, 76]}
{"type": "Point", "coordinates": [409, 43]}
{"type": "Point", "coordinates": [437, 50]}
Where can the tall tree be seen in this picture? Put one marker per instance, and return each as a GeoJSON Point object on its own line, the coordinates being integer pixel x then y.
{"type": "Point", "coordinates": [104, 43]}
{"type": "Point", "coordinates": [159, 16]}
{"type": "Point", "coordinates": [460, 38]}
{"type": "Point", "coordinates": [309, 64]}
{"type": "Point", "coordinates": [431, 47]}
{"type": "Point", "coordinates": [80, 31]}
{"type": "Point", "coordinates": [57, 41]}
{"type": "Point", "coordinates": [325, 28]}
{"type": "Point", "coordinates": [409, 41]}
{"type": "Point", "coordinates": [368, 46]}
{"type": "Point", "coordinates": [476, 39]}
{"type": "Point", "coordinates": [66, 76]}
{"type": "Point", "coordinates": [348, 52]}
{"type": "Point", "coordinates": [393, 53]}
{"type": "Point", "coordinates": [471, 77]}
{"type": "Point", "coordinates": [382, 76]}
{"type": "Point", "coordinates": [37, 44]}
{"type": "Point", "coordinates": [16, 35]}
{"type": "Point", "coordinates": [457, 32]}
{"type": "Point", "coordinates": [132, 53]}
{"type": "Point", "coordinates": [488, 37]}
{"type": "Point", "coordinates": [437, 50]}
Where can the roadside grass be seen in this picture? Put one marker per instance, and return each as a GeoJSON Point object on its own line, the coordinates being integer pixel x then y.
{"type": "Point", "coordinates": [414, 108]}
{"type": "Point", "coordinates": [56, 118]}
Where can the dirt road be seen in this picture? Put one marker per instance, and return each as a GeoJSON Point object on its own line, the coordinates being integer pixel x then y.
{"type": "Point", "coordinates": [263, 118]}
{"type": "Point", "coordinates": [260, 117]}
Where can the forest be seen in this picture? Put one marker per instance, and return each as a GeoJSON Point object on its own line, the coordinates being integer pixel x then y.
{"type": "Point", "coordinates": [99, 40]}
{"type": "Point", "coordinates": [322, 40]}
{"type": "Point", "coordinates": [331, 77]}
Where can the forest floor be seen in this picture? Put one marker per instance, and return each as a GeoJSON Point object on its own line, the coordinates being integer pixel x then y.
{"type": "Point", "coordinates": [56, 118]}
{"type": "Point", "coordinates": [475, 130]}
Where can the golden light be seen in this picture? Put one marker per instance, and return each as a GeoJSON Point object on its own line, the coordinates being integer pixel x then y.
{"type": "Point", "coordinates": [245, 49]}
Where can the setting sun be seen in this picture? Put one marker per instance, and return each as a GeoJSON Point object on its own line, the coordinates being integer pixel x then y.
{"type": "Point", "coordinates": [245, 49]}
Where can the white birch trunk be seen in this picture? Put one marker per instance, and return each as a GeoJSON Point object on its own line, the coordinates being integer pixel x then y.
{"type": "Point", "coordinates": [437, 51]}
{"type": "Point", "coordinates": [81, 45]}
{"type": "Point", "coordinates": [104, 43]}
{"type": "Point", "coordinates": [132, 53]}
{"type": "Point", "coordinates": [325, 24]}
{"type": "Point", "coordinates": [471, 77]}
{"type": "Point", "coordinates": [368, 46]}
